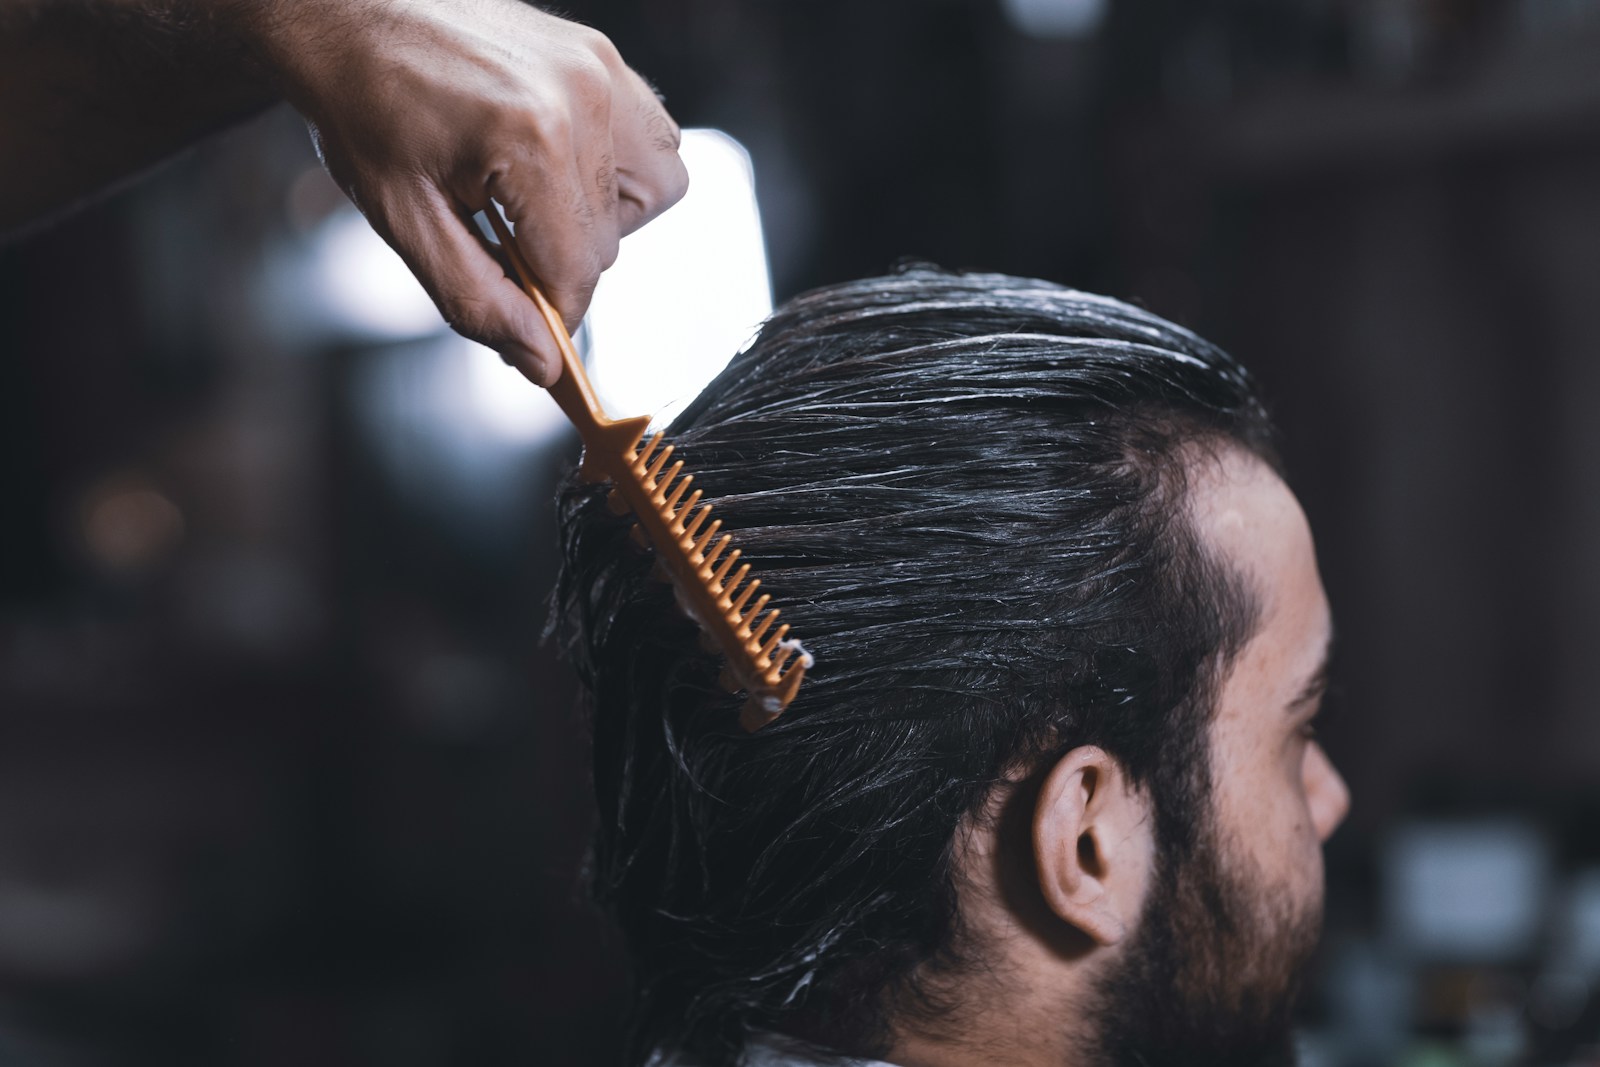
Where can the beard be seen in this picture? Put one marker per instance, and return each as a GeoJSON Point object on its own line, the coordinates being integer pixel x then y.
{"type": "Point", "coordinates": [1211, 975]}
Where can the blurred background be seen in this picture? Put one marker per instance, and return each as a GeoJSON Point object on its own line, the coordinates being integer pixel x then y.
{"type": "Point", "coordinates": [286, 773]}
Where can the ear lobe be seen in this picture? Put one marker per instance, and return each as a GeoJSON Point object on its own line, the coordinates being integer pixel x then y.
{"type": "Point", "coordinates": [1091, 844]}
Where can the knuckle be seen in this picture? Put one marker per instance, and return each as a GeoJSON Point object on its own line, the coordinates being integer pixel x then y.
{"type": "Point", "coordinates": [589, 71]}
{"type": "Point", "coordinates": [608, 254]}
{"type": "Point", "coordinates": [663, 189]}
{"type": "Point", "coordinates": [601, 47]}
{"type": "Point", "coordinates": [676, 181]}
{"type": "Point", "coordinates": [545, 122]}
{"type": "Point", "coordinates": [498, 162]}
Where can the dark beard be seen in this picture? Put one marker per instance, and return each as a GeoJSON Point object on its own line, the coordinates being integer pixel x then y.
{"type": "Point", "coordinates": [1211, 975]}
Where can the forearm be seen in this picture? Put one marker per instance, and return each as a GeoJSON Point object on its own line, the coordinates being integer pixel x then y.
{"type": "Point", "coordinates": [92, 91]}
{"type": "Point", "coordinates": [424, 112]}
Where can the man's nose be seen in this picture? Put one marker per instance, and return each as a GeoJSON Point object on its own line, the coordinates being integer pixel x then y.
{"type": "Point", "coordinates": [1326, 794]}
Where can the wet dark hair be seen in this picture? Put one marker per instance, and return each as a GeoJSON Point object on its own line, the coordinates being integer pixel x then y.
{"type": "Point", "coordinates": [966, 492]}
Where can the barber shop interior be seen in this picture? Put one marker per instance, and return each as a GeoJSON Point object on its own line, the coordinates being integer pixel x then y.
{"type": "Point", "coordinates": [1099, 390]}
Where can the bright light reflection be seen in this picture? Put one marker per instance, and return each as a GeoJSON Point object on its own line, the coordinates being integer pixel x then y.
{"type": "Point", "coordinates": [364, 286]}
{"type": "Point", "coordinates": [456, 430]}
{"type": "Point", "coordinates": [1055, 18]}
{"type": "Point", "coordinates": [361, 285]}
{"type": "Point", "coordinates": [687, 291]}
{"type": "Point", "coordinates": [505, 403]}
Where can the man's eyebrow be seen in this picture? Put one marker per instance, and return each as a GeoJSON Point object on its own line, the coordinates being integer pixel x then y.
{"type": "Point", "coordinates": [1317, 684]}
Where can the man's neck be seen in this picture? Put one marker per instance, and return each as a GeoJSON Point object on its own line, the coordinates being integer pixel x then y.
{"type": "Point", "coordinates": [1004, 1044]}
{"type": "Point", "coordinates": [1026, 1018]}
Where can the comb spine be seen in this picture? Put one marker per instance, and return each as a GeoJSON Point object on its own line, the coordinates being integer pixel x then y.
{"type": "Point", "coordinates": [629, 449]}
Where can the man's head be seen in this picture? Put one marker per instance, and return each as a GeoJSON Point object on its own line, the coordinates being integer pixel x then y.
{"type": "Point", "coordinates": [1049, 785]}
{"type": "Point", "coordinates": [1209, 974]}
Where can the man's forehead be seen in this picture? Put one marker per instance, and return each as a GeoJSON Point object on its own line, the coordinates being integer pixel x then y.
{"type": "Point", "coordinates": [1245, 514]}
{"type": "Point", "coordinates": [1250, 521]}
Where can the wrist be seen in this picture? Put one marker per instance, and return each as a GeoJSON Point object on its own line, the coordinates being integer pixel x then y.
{"type": "Point", "coordinates": [288, 43]}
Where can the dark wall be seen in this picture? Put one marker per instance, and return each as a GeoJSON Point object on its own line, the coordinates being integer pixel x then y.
{"type": "Point", "coordinates": [286, 774]}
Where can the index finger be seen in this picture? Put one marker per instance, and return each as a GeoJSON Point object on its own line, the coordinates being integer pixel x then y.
{"type": "Point", "coordinates": [566, 222]}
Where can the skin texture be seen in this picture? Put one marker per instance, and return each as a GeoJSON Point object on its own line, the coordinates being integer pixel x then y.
{"type": "Point", "coordinates": [1062, 878]}
{"type": "Point", "coordinates": [422, 110]}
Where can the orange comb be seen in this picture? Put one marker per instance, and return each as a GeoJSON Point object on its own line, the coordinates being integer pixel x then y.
{"type": "Point", "coordinates": [761, 661]}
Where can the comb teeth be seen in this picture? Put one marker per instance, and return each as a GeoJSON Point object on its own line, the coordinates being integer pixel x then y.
{"type": "Point", "coordinates": [678, 526]}
{"type": "Point", "coordinates": [666, 480]}
{"type": "Point", "coordinates": [732, 584]}
{"type": "Point", "coordinates": [786, 652]}
{"type": "Point", "coordinates": [699, 552]}
{"type": "Point", "coordinates": [656, 465]}
{"type": "Point", "coordinates": [763, 626]}
{"type": "Point", "coordinates": [773, 642]}
{"type": "Point", "coordinates": [669, 503]}
{"type": "Point", "coordinates": [736, 607]}
{"type": "Point", "coordinates": [791, 684]}
{"type": "Point", "coordinates": [727, 565]}
{"type": "Point", "coordinates": [716, 550]}
{"type": "Point", "coordinates": [766, 665]}
{"type": "Point", "coordinates": [613, 450]}
{"type": "Point", "coordinates": [696, 520]}
{"type": "Point", "coordinates": [749, 616]}
{"type": "Point", "coordinates": [746, 617]}
{"type": "Point", "coordinates": [644, 453]}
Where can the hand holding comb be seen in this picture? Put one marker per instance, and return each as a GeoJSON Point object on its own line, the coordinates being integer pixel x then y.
{"type": "Point", "coordinates": [760, 659]}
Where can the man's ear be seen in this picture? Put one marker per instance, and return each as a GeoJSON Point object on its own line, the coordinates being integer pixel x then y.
{"type": "Point", "coordinates": [1092, 844]}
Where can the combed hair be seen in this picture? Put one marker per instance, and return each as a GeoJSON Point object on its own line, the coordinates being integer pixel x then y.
{"type": "Point", "coordinates": [966, 493]}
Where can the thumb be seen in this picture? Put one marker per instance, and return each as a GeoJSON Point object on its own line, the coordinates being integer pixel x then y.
{"type": "Point", "coordinates": [469, 286]}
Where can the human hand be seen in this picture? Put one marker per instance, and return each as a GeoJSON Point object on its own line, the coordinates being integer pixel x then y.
{"type": "Point", "coordinates": [424, 110]}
